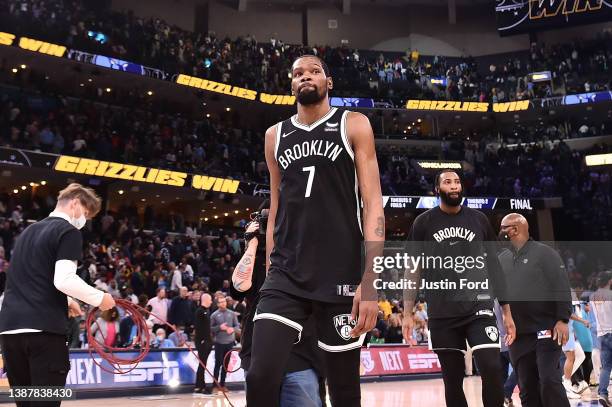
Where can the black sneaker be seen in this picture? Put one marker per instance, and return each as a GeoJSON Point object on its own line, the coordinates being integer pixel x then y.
{"type": "Point", "coordinates": [197, 390]}
{"type": "Point", "coordinates": [207, 391]}
{"type": "Point", "coordinates": [604, 401]}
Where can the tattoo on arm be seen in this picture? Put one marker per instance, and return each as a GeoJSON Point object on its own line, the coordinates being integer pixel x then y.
{"type": "Point", "coordinates": [380, 227]}
{"type": "Point", "coordinates": [242, 269]}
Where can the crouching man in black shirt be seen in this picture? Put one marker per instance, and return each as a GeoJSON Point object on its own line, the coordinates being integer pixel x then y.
{"type": "Point", "coordinates": [42, 273]}
{"type": "Point", "coordinates": [540, 298]}
{"type": "Point", "coordinates": [303, 384]}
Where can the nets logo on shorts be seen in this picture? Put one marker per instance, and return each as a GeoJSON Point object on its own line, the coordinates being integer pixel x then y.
{"type": "Point", "coordinates": [492, 333]}
{"type": "Point", "coordinates": [344, 324]}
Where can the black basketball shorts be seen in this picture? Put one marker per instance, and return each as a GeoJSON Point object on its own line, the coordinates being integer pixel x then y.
{"type": "Point", "coordinates": [333, 320]}
{"type": "Point", "coordinates": [478, 330]}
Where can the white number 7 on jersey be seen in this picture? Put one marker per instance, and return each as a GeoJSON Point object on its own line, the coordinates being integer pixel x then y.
{"type": "Point", "coordinates": [311, 171]}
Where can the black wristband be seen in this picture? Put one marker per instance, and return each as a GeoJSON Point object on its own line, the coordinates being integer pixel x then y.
{"type": "Point", "coordinates": [250, 235]}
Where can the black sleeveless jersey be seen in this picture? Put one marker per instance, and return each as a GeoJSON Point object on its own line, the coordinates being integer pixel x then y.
{"type": "Point", "coordinates": [317, 232]}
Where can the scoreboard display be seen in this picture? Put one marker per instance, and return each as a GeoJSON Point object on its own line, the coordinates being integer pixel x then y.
{"type": "Point", "coordinates": [488, 203]}
{"type": "Point", "coordinates": [523, 16]}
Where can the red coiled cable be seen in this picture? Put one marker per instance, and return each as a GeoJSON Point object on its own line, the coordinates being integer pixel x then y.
{"type": "Point", "coordinates": [141, 345]}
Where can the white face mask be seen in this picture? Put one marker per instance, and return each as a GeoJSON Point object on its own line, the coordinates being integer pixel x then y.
{"type": "Point", "coordinates": [78, 222]}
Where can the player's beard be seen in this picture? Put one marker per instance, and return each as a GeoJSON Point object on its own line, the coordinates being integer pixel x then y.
{"type": "Point", "coordinates": [310, 96]}
{"type": "Point", "coordinates": [451, 201]}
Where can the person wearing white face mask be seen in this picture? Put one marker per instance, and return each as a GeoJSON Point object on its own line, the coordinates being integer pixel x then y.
{"type": "Point", "coordinates": [41, 276]}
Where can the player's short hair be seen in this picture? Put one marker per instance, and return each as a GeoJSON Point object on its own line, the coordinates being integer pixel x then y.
{"type": "Point", "coordinates": [87, 196]}
{"type": "Point", "coordinates": [323, 64]}
{"type": "Point", "coordinates": [444, 171]}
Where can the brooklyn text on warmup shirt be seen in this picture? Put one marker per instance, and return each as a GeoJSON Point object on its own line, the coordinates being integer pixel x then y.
{"type": "Point", "coordinates": [317, 233]}
{"type": "Point", "coordinates": [465, 287]}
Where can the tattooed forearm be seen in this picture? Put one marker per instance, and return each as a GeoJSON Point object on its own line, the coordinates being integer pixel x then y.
{"type": "Point", "coordinates": [242, 269]}
{"type": "Point", "coordinates": [380, 227]}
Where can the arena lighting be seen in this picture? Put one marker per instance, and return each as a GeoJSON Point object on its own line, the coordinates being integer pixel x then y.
{"type": "Point", "coordinates": [216, 217]}
{"type": "Point", "coordinates": [108, 90]}
{"type": "Point", "coordinates": [236, 212]}
{"type": "Point", "coordinates": [15, 191]}
{"type": "Point", "coordinates": [207, 114]}
{"type": "Point", "coordinates": [120, 192]}
{"type": "Point", "coordinates": [227, 109]}
{"type": "Point", "coordinates": [43, 182]}
{"type": "Point", "coordinates": [143, 200]}
{"type": "Point", "coordinates": [157, 196]}
{"type": "Point", "coordinates": [205, 219]}
{"type": "Point", "coordinates": [89, 80]}
{"type": "Point", "coordinates": [225, 214]}
{"type": "Point", "coordinates": [598, 159]}
{"type": "Point", "coordinates": [82, 84]}
{"type": "Point", "coordinates": [23, 187]}
{"type": "Point", "coordinates": [150, 93]}
{"type": "Point", "coordinates": [419, 120]}
{"type": "Point", "coordinates": [32, 184]}
{"type": "Point", "coordinates": [14, 70]}
{"type": "Point", "coordinates": [23, 66]}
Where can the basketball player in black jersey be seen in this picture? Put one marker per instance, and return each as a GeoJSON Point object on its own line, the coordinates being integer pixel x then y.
{"type": "Point", "coordinates": [322, 163]}
{"type": "Point", "coordinates": [456, 314]}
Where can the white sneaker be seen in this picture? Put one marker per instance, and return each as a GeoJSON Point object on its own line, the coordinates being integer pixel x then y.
{"type": "Point", "coordinates": [580, 387]}
{"type": "Point", "coordinates": [569, 390]}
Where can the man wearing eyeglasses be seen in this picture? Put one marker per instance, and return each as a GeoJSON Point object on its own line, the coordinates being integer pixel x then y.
{"type": "Point", "coordinates": [539, 296]}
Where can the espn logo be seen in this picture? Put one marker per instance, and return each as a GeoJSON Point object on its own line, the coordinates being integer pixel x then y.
{"type": "Point", "coordinates": [147, 371]}
{"type": "Point", "coordinates": [423, 361]}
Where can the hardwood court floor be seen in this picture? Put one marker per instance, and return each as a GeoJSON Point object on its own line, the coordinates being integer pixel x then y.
{"type": "Point", "coordinates": [410, 393]}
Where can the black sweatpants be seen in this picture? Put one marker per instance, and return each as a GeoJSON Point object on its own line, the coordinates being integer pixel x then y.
{"type": "Point", "coordinates": [538, 365]}
{"type": "Point", "coordinates": [453, 371]}
{"type": "Point", "coordinates": [204, 350]}
{"type": "Point", "coordinates": [273, 342]}
{"type": "Point", "coordinates": [220, 351]}
{"type": "Point", "coordinates": [36, 359]}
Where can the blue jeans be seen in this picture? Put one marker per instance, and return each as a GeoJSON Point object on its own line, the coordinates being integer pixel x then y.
{"type": "Point", "coordinates": [606, 364]}
{"type": "Point", "coordinates": [300, 389]}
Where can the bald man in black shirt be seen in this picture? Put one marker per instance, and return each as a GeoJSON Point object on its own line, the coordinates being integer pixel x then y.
{"type": "Point", "coordinates": [539, 294]}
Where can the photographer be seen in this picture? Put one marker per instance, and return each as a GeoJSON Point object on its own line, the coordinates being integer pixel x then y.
{"type": "Point", "coordinates": [303, 382]}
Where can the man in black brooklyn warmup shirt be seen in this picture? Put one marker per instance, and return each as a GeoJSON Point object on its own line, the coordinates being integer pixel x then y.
{"type": "Point", "coordinates": [540, 297]}
{"type": "Point", "coordinates": [34, 316]}
{"type": "Point", "coordinates": [458, 312]}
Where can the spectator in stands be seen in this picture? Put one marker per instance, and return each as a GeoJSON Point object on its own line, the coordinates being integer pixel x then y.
{"type": "Point", "coordinates": [105, 328]}
{"type": "Point", "coordinates": [160, 339]}
{"type": "Point", "coordinates": [159, 309]}
{"type": "Point", "coordinates": [179, 338]}
{"type": "Point", "coordinates": [181, 309]}
{"type": "Point", "coordinates": [394, 332]}
{"type": "Point", "coordinates": [384, 305]}
{"type": "Point", "coordinates": [376, 338]}
{"type": "Point", "coordinates": [177, 277]}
